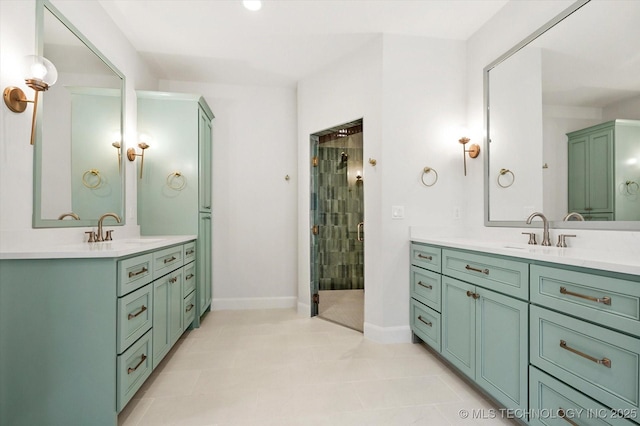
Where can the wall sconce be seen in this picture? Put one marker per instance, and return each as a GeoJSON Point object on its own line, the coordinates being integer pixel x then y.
{"type": "Point", "coordinates": [117, 145]}
{"type": "Point", "coordinates": [358, 178]}
{"type": "Point", "coordinates": [40, 74]}
{"type": "Point", "coordinates": [474, 151]}
{"type": "Point", "coordinates": [131, 155]}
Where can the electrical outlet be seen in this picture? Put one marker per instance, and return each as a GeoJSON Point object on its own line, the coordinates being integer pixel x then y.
{"type": "Point", "coordinates": [456, 213]}
{"type": "Point", "coordinates": [397, 212]}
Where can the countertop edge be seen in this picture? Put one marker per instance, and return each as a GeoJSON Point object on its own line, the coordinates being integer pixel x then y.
{"type": "Point", "coordinates": [563, 256]}
{"type": "Point", "coordinates": [107, 249]}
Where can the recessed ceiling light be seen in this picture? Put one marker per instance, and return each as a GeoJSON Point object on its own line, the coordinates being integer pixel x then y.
{"type": "Point", "coordinates": [252, 4]}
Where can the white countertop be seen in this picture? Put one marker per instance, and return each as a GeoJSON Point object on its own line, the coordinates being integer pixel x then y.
{"type": "Point", "coordinates": [607, 260]}
{"type": "Point", "coordinates": [115, 248]}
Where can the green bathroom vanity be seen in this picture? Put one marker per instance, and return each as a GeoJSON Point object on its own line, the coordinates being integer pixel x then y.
{"type": "Point", "coordinates": [83, 326]}
{"type": "Point", "coordinates": [551, 340]}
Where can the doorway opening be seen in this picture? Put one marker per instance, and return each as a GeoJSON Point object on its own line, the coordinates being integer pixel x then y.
{"type": "Point", "coordinates": [337, 224]}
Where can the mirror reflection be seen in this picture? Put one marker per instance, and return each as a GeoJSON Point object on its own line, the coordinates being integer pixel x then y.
{"type": "Point", "coordinates": [563, 116]}
{"type": "Point", "coordinates": [78, 173]}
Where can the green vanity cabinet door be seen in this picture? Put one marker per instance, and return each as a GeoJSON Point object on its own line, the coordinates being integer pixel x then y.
{"type": "Point", "coordinates": [204, 265]}
{"type": "Point", "coordinates": [458, 325]}
{"type": "Point", "coordinates": [167, 313]}
{"type": "Point", "coordinates": [485, 335]}
{"type": "Point", "coordinates": [591, 188]}
{"type": "Point", "coordinates": [205, 152]}
{"type": "Point", "coordinates": [174, 204]}
{"type": "Point", "coordinates": [502, 347]}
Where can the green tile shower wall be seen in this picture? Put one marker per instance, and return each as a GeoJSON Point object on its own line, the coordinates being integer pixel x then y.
{"type": "Point", "coordinates": [340, 209]}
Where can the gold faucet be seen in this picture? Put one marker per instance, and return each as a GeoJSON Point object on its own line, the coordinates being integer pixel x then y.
{"type": "Point", "coordinates": [546, 241]}
{"type": "Point", "coordinates": [99, 236]}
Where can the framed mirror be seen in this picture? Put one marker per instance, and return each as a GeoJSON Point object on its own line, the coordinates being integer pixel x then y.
{"type": "Point", "coordinates": [78, 161]}
{"type": "Point", "coordinates": [562, 112]}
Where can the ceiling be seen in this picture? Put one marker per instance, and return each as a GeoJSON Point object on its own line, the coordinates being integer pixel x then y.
{"type": "Point", "coordinates": [220, 41]}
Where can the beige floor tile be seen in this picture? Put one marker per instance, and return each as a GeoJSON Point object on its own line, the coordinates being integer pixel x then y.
{"type": "Point", "coordinates": [165, 384]}
{"type": "Point", "coordinates": [275, 367]}
{"type": "Point", "coordinates": [403, 392]}
{"type": "Point", "coordinates": [134, 411]}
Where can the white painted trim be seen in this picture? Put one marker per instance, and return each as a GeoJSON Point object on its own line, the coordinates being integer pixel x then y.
{"type": "Point", "coordinates": [400, 334]}
{"type": "Point", "coordinates": [304, 309]}
{"type": "Point", "coordinates": [253, 303]}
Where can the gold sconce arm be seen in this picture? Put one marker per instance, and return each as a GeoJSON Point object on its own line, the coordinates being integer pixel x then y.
{"type": "Point", "coordinates": [131, 155]}
{"type": "Point", "coordinates": [474, 151]}
{"type": "Point", "coordinates": [40, 74]}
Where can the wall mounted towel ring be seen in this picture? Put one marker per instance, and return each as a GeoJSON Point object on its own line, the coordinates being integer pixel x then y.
{"type": "Point", "coordinates": [87, 176]}
{"type": "Point", "coordinates": [176, 181]}
{"type": "Point", "coordinates": [632, 187]}
{"type": "Point", "coordinates": [506, 172]}
{"type": "Point", "coordinates": [426, 171]}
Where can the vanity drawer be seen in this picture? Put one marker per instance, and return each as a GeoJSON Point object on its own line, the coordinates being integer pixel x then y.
{"type": "Point", "coordinates": [189, 279]}
{"type": "Point", "coordinates": [555, 403]}
{"type": "Point", "coordinates": [600, 362]}
{"type": "Point", "coordinates": [425, 287]}
{"type": "Point", "coordinates": [426, 256]}
{"type": "Point", "coordinates": [189, 252]}
{"type": "Point", "coordinates": [189, 309]}
{"type": "Point", "coordinates": [135, 315]}
{"type": "Point", "coordinates": [506, 276]}
{"type": "Point", "coordinates": [608, 301]}
{"type": "Point", "coordinates": [425, 323]}
{"type": "Point", "coordinates": [134, 272]}
{"type": "Point", "coordinates": [165, 261]}
{"type": "Point", "coordinates": [133, 368]}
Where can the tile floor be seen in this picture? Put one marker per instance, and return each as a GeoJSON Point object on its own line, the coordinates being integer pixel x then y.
{"type": "Point", "coordinates": [275, 367]}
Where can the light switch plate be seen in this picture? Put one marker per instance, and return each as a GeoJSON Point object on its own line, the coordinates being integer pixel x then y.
{"type": "Point", "coordinates": [397, 212]}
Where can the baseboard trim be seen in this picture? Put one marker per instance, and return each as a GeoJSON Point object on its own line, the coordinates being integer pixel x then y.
{"type": "Point", "coordinates": [400, 334]}
{"type": "Point", "coordinates": [254, 303]}
{"type": "Point", "coordinates": [304, 309]}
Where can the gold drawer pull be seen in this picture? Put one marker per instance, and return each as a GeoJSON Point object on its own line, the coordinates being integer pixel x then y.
{"type": "Point", "coordinates": [604, 361]}
{"type": "Point", "coordinates": [173, 280]}
{"type": "Point", "coordinates": [563, 416]}
{"type": "Point", "coordinates": [422, 256]}
{"type": "Point", "coordinates": [171, 259]}
{"type": "Point", "coordinates": [190, 252]}
{"type": "Point", "coordinates": [482, 271]}
{"type": "Point", "coordinates": [605, 300]}
{"type": "Point", "coordinates": [142, 359]}
{"type": "Point", "coordinates": [429, 286]}
{"type": "Point", "coordinates": [430, 324]}
{"type": "Point", "coordinates": [188, 277]}
{"type": "Point", "coordinates": [472, 294]}
{"type": "Point", "coordinates": [190, 307]}
{"type": "Point", "coordinates": [132, 316]}
{"type": "Point", "coordinates": [141, 271]}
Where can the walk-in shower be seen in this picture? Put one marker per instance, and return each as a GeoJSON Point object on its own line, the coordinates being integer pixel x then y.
{"type": "Point", "coordinates": [337, 223]}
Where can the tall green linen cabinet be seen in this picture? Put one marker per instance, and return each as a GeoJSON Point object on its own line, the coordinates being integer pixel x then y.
{"type": "Point", "coordinates": [174, 186]}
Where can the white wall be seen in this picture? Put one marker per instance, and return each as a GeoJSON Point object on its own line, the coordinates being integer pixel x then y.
{"type": "Point", "coordinates": [410, 93]}
{"type": "Point", "coordinates": [255, 207]}
{"type": "Point", "coordinates": [516, 136]}
{"type": "Point", "coordinates": [514, 22]}
{"type": "Point", "coordinates": [332, 96]}
{"type": "Point", "coordinates": [17, 38]}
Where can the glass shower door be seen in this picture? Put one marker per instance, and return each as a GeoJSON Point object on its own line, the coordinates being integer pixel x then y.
{"type": "Point", "coordinates": [337, 215]}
